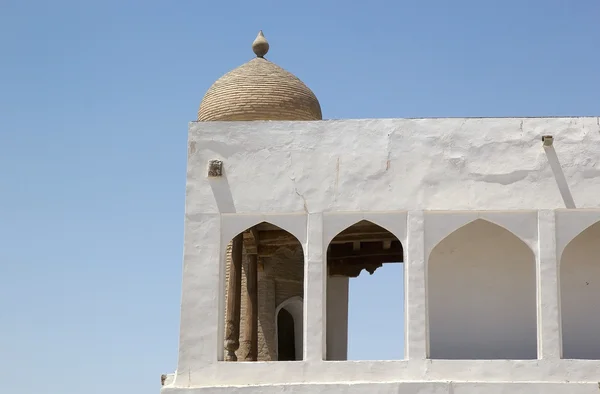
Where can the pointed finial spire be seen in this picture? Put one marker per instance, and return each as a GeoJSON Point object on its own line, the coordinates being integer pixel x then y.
{"type": "Point", "coordinates": [260, 46]}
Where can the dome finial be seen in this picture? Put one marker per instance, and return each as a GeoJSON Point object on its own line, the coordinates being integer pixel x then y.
{"type": "Point", "coordinates": [260, 46]}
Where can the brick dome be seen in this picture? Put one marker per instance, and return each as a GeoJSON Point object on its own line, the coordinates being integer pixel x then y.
{"type": "Point", "coordinates": [259, 90]}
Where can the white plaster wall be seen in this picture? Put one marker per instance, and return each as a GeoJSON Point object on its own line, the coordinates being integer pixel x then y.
{"type": "Point", "coordinates": [404, 164]}
{"type": "Point", "coordinates": [482, 295]}
{"type": "Point", "coordinates": [530, 376]}
{"type": "Point", "coordinates": [337, 317]}
{"type": "Point", "coordinates": [403, 388]}
{"type": "Point", "coordinates": [311, 177]}
{"type": "Point", "coordinates": [580, 295]}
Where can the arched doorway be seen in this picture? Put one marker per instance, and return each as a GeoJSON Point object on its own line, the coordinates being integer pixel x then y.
{"type": "Point", "coordinates": [286, 339]}
{"type": "Point", "coordinates": [290, 329]}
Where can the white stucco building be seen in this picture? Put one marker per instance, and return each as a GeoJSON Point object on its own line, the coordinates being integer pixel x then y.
{"type": "Point", "coordinates": [496, 222]}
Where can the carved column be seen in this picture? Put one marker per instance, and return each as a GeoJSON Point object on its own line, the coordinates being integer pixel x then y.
{"type": "Point", "coordinates": [251, 318]}
{"type": "Point", "coordinates": [234, 288]}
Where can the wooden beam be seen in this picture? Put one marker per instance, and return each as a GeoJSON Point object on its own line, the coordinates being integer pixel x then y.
{"type": "Point", "coordinates": [252, 233]}
{"type": "Point", "coordinates": [370, 249]}
{"type": "Point", "coordinates": [353, 267]}
{"type": "Point", "coordinates": [234, 288]}
{"type": "Point", "coordinates": [266, 250]}
{"type": "Point", "coordinates": [382, 259]}
{"type": "Point", "coordinates": [250, 247]}
{"type": "Point", "coordinates": [283, 238]}
{"type": "Point", "coordinates": [352, 270]}
{"type": "Point", "coordinates": [279, 237]}
{"type": "Point", "coordinates": [270, 250]}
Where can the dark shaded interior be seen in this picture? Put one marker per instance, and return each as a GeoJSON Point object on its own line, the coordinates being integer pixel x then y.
{"type": "Point", "coordinates": [286, 343]}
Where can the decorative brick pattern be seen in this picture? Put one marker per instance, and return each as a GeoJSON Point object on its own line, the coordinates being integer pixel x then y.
{"type": "Point", "coordinates": [259, 90]}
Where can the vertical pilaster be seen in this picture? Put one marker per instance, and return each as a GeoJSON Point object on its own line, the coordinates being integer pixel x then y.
{"type": "Point", "coordinates": [548, 301]}
{"type": "Point", "coordinates": [314, 291]}
{"type": "Point", "coordinates": [416, 343]}
{"type": "Point", "coordinates": [200, 331]}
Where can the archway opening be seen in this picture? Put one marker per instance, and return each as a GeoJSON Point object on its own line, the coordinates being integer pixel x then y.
{"type": "Point", "coordinates": [290, 333]}
{"type": "Point", "coordinates": [365, 309]}
{"type": "Point", "coordinates": [580, 295]}
{"type": "Point", "coordinates": [286, 337]}
{"type": "Point", "coordinates": [264, 266]}
{"type": "Point", "coordinates": [481, 289]}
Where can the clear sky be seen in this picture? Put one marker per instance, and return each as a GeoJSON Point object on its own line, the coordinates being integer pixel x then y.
{"type": "Point", "coordinates": [95, 98]}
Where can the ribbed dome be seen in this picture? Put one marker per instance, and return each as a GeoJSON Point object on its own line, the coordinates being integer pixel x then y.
{"type": "Point", "coordinates": [259, 90]}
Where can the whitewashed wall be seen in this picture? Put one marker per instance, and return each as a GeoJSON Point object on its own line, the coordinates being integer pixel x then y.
{"type": "Point", "coordinates": [422, 179]}
{"type": "Point", "coordinates": [393, 164]}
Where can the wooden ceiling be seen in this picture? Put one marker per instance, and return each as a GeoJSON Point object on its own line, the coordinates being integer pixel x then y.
{"type": "Point", "coordinates": [363, 246]}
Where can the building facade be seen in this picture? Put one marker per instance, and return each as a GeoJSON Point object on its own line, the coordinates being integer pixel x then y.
{"type": "Point", "coordinates": [496, 222]}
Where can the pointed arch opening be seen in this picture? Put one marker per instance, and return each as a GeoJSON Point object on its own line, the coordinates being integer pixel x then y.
{"type": "Point", "coordinates": [481, 293]}
{"type": "Point", "coordinates": [580, 295]}
{"type": "Point", "coordinates": [264, 266]}
{"type": "Point", "coordinates": [289, 329]}
{"type": "Point", "coordinates": [365, 309]}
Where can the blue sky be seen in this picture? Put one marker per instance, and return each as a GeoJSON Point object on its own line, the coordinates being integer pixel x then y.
{"type": "Point", "coordinates": [95, 97]}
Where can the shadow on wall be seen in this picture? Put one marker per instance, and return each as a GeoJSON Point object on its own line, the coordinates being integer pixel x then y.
{"type": "Point", "coordinates": [481, 289]}
{"type": "Point", "coordinates": [560, 178]}
{"type": "Point", "coordinates": [221, 188]}
{"type": "Point", "coordinates": [580, 295]}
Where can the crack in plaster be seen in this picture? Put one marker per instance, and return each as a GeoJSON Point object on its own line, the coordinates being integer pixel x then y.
{"type": "Point", "coordinates": [293, 179]}
{"type": "Point", "coordinates": [389, 149]}
{"type": "Point", "coordinates": [378, 173]}
{"type": "Point", "coordinates": [303, 199]}
{"type": "Point", "coordinates": [450, 387]}
{"type": "Point", "coordinates": [337, 180]}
